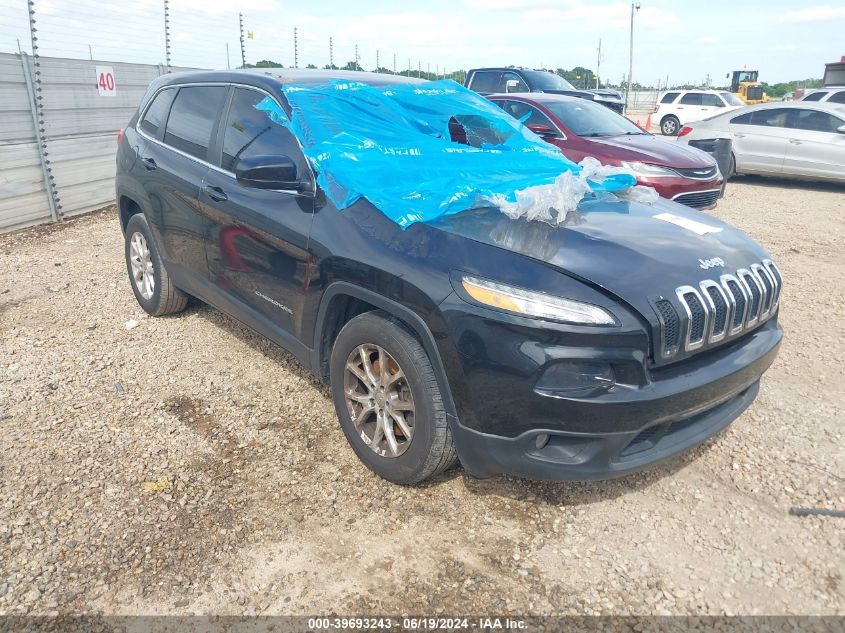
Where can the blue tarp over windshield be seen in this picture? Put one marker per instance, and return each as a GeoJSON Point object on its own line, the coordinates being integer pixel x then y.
{"type": "Point", "coordinates": [419, 151]}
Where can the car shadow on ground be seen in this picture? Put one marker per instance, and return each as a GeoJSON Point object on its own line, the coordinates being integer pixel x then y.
{"type": "Point", "coordinates": [784, 183]}
{"type": "Point", "coordinates": [551, 493]}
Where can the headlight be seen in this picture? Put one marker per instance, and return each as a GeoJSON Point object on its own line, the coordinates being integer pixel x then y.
{"type": "Point", "coordinates": [650, 171]}
{"type": "Point", "coordinates": [536, 304]}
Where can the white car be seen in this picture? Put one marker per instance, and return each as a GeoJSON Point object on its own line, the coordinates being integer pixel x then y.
{"type": "Point", "coordinates": [797, 139]}
{"type": "Point", "coordinates": [834, 94]}
{"type": "Point", "coordinates": [678, 107]}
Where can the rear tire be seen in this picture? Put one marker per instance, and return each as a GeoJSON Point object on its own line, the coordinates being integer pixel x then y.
{"type": "Point", "coordinates": [670, 126]}
{"type": "Point", "coordinates": [374, 351]}
{"type": "Point", "coordinates": [148, 277]}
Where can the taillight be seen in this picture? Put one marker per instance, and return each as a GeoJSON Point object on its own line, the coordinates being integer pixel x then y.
{"type": "Point", "coordinates": [119, 135]}
{"type": "Point", "coordinates": [684, 131]}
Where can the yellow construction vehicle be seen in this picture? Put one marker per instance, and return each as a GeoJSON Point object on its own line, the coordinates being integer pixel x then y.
{"type": "Point", "coordinates": [744, 85]}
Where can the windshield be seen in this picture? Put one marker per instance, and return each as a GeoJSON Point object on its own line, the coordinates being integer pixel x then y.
{"type": "Point", "coordinates": [541, 80]}
{"type": "Point", "coordinates": [747, 75]}
{"type": "Point", "coordinates": [732, 99]}
{"type": "Point", "coordinates": [586, 118]}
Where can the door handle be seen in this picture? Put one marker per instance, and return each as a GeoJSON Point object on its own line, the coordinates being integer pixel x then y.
{"type": "Point", "coordinates": [795, 141]}
{"type": "Point", "coordinates": [739, 135]}
{"type": "Point", "coordinates": [149, 163]}
{"type": "Point", "coordinates": [216, 193]}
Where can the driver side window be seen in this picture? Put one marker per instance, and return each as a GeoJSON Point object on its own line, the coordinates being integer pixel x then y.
{"type": "Point", "coordinates": [519, 86]}
{"type": "Point", "coordinates": [251, 132]}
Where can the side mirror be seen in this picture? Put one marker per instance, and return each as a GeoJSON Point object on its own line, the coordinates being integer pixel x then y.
{"type": "Point", "coordinates": [841, 129]}
{"type": "Point", "coordinates": [511, 85]}
{"type": "Point", "coordinates": [541, 130]}
{"type": "Point", "coordinates": [267, 172]}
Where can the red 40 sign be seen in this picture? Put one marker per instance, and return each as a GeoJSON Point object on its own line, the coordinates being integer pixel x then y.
{"type": "Point", "coordinates": [105, 81]}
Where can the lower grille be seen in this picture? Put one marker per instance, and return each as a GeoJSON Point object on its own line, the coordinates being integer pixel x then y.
{"type": "Point", "coordinates": [698, 199]}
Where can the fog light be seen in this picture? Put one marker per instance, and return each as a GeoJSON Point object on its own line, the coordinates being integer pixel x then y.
{"type": "Point", "coordinates": [576, 379]}
{"type": "Point", "coordinates": [542, 440]}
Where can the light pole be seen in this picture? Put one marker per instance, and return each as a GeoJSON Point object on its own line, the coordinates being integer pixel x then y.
{"type": "Point", "coordinates": [634, 8]}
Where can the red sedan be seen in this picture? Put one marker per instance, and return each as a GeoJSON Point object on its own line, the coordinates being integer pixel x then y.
{"type": "Point", "coordinates": [582, 128]}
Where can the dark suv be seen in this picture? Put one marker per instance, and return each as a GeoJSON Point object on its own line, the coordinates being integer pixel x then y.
{"type": "Point", "coordinates": [486, 81]}
{"type": "Point", "coordinates": [582, 351]}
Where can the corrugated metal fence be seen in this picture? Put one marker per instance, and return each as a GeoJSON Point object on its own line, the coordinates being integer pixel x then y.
{"type": "Point", "coordinates": [57, 105]}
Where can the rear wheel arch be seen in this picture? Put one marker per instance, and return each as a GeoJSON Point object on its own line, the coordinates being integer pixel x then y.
{"type": "Point", "coordinates": [127, 207]}
{"type": "Point", "coordinates": [343, 301]}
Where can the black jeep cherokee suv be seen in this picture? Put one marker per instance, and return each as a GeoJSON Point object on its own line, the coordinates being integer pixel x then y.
{"type": "Point", "coordinates": [581, 351]}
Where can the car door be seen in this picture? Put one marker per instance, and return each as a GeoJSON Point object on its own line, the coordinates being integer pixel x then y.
{"type": "Point", "coordinates": [689, 107]}
{"type": "Point", "coordinates": [511, 82]}
{"type": "Point", "coordinates": [174, 159]}
{"type": "Point", "coordinates": [759, 140]}
{"type": "Point", "coordinates": [814, 147]}
{"type": "Point", "coordinates": [711, 105]}
{"type": "Point", "coordinates": [258, 238]}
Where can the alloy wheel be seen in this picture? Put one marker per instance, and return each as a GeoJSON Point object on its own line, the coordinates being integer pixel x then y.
{"type": "Point", "coordinates": [379, 400]}
{"type": "Point", "coordinates": [140, 259]}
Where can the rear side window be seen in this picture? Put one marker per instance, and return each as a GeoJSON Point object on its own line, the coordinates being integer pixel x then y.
{"type": "Point", "coordinates": [837, 97]}
{"type": "Point", "coordinates": [691, 98]}
{"type": "Point", "coordinates": [485, 81]}
{"type": "Point", "coordinates": [192, 118]}
{"type": "Point", "coordinates": [815, 121]}
{"type": "Point", "coordinates": [815, 96]}
{"type": "Point", "coordinates": [157, 112]}
{"type": "Point", "coordinates": [250, 132]}
{"type": "Point", "coordinates": [669, 97]}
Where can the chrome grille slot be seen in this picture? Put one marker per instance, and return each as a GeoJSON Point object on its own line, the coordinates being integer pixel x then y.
{"type": "Point", "coordinates": [698, 317]}
{"type": "Point", "coordinates": [755, 292]}
{"type": "Point", "coordinates": [777, 280]}
{"type": "Point", "coordinates": [717, 303]}
{"type": "Point", "coordinates": [719, 309]}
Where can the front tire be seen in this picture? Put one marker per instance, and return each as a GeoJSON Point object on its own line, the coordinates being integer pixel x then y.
{"type": "Point", "coordinates": [150, 282]}
{"type": "Point", "coordinates": [670, 126]}
{"type": "Point", "coordinates": [388, 401]}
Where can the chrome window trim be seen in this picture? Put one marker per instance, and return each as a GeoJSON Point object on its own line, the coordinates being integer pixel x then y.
{"type": "Point", "coordinates": [690, 345]}
{"type": "Point", "coordinates": [224, 84]}
{"type": "Point", "coordinates": [711, 335]}
{"type": "Point", "coordinates": [726, 279]}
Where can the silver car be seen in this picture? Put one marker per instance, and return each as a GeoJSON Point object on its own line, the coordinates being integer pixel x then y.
{"type": "Point", "coordinates": [799, 139]}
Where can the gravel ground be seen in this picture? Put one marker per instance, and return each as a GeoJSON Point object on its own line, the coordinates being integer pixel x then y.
{"type": "Point", "coordinates": [184, 465]}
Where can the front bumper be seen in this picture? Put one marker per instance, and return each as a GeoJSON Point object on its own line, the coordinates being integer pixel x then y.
{"type": "Point", "coordinates": [660, 413]}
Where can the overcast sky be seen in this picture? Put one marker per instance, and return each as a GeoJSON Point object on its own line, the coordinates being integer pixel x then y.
{"type": "Point", "coordinates": [684, 40]}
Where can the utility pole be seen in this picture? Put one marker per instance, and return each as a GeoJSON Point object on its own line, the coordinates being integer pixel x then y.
{"type": "Point", "coordinates": [394, 63]}
{"type": "Point", "coordinates": [598, 65]}
{"type": "Point", "coordinates": [167, 34]}
{"type": "Point", "coordinates": [295, 49]}
{"type": "Point", "coordinates": [356, 58]}
{"type": "Point", "coordinates": [243, 47]}
{"type": "Point", "coordinates": [331, 53]}
{"type": "Point", "coordinates": [90, 53]}
{"type": "Point", "coordinates": [419, 69]}
{"type": "Point", "coordinates": [377, 66]}
{"type": "Point", "coordinates": [634, 8]}
{"type": "Point", "coordinates": [228, 64]}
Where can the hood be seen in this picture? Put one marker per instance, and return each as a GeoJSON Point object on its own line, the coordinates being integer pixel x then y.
{"type": "Point", "coordinates": [651, 149]}
{"type": "Point", "coordinates": [620, 246]}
